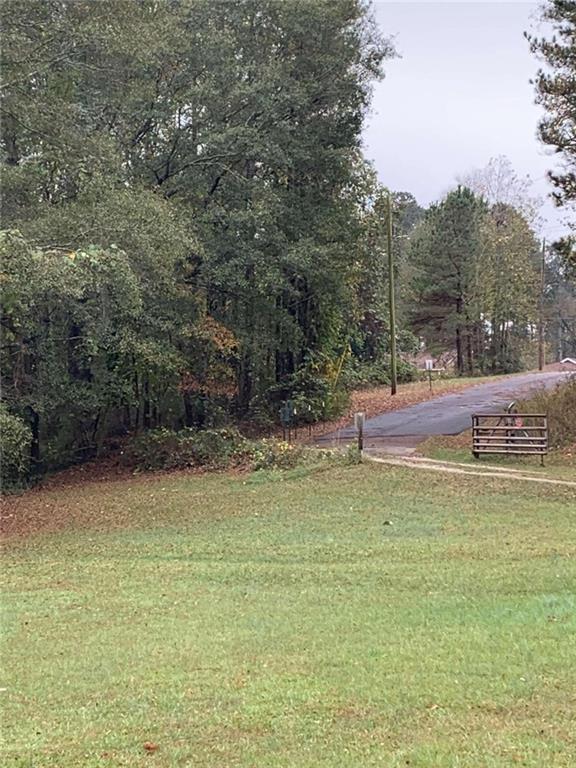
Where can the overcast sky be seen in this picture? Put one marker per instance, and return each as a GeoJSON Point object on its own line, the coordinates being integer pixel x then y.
{"type": "Point", "coordinates": [459, 95]}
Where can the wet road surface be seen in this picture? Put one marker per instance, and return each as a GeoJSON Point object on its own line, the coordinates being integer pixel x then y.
{"type": "Point", "coordinates": [446, 414]}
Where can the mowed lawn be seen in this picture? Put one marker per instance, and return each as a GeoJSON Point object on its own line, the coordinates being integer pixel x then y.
{"type": "Point", "coordinates": [344, 616]}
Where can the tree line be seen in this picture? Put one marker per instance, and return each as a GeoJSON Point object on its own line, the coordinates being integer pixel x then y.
{"type": "Point", "coordinates": [191, 234]}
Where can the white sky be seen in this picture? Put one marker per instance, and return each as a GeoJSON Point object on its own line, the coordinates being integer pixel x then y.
{"type": "Point", "coordinates": [459, 95]}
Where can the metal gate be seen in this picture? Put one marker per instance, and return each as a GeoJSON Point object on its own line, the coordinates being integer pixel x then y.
{"type": "Point", "coordinates": [511, 433]}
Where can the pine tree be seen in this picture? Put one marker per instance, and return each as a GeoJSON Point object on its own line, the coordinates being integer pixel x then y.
{"type": "Point", "coordinates": [556, 92]}
{"type": "Point", "coordinates": [446, 252]}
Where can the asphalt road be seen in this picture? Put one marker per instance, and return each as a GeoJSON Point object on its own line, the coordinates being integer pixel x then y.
{"type": "Point", "coordinates": [447, 414]}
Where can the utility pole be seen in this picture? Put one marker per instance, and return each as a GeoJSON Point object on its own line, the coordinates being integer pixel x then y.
{"type": "Point", "coordinates": [541, 356]}
{"type": "Point", "coordinates": [392, 302]}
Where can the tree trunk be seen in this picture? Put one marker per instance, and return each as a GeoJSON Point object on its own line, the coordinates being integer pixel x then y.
{"type": "Point", "coordinates": [469, 353]}
{"type": "Point", "coordinates": [35, 444]}
{"type": "Point", "coordinates": [137, 398]}
{"type": "Point", "coordinates": [188, 410]}
{"type": "Point", "coordinates": [245, 381]}
{"type": "Point", "coordinates": [146, 415]}
{"type": "Point", "coordinates": [459, 350]}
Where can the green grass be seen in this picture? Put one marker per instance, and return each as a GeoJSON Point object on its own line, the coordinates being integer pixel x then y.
{"type": "Point", "coordinates": [558, 465]}
{"type": "Point", "coordinates": [354, 616]}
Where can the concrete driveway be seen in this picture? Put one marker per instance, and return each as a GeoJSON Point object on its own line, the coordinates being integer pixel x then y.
{"type": "Point", "coordinates": [444, 415]}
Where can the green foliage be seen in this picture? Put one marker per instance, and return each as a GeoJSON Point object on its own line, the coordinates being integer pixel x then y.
{"type": "Point", "coordinates": [15, 442]}
{"type": "Point", "coordinates": [369, 374]}
{"type": "Point", "coordinates": [167, 449]}
{"type": "Point", "coordinates": [176, 171]}
{"type": "Point", "coordinates": [352, 455]}
{"type": "Point", "coordinates": [244, 119]}
{"type": "Point", "coordinates": [314, 391]}
{"type": "Point", "coordinates": [476, 282]}
{"type": "Point", "coordinates": [556, 92]}
{"type": "Point", "coordinates": [406, 372]}
{"type": "Point", "coordinates": [446, 250]}
{"type": "Point", "coordinates": [507, 287]}
{"type": "Point", "coordinates": [358, 375]}
{"type": "Point", "coordinates": [70, 340]}
{"type": "Point", "coordinates": [276, 454]}
{"type": "Point", "coordinates": [560, 307]}
{"type": "Point", "coordinates": [369, 331]}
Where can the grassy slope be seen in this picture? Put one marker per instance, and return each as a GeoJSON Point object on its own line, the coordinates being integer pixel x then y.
{"type": "Point", "coordinates": [279, 620]}
{"type": "Point", "coordinates": [559, 464]}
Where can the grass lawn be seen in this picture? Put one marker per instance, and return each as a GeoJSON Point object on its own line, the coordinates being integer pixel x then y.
{"type": "Point", "coordinates": [344, 616]}
{"type": "Point", "coordinates": [558, 464]}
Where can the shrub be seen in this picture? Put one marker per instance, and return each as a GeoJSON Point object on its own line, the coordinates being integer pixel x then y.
{"type": "Point", "coordinates": [406, 372]}
{"type": "Point", "coordinates": [15, 439]}
{"type": "Point", "coordinates": [312, 395]}
{"type": "Point", "coordinates": [167, 449]}
{"type": "Point", "coordinates": [352, 455]}
{"type": "Point", "coordinates": [275, 454]}
{"type": "Point", "coordinates": [560, 405]}
{"type": "Point", "coordinates": [360, 374]}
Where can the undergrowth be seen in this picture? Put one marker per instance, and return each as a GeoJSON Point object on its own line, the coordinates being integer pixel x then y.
{"type": "Point", "coordinates": [217, 449]}
{"type": "Point", "coordinates": [560, 406]}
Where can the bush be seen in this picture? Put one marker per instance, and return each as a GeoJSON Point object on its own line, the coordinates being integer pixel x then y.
{"type": "Point", "coordinates": [15, 439]}
{"type": "Point", "coordinates": [560, 405]}
{"type": "Point", "coordinates": [406, 372]}
{"type": "Point", "coordinates": [312, 395]}
{"type": "Point", "coordinates": [360, 374]}
{"type": "Point", "coordinates": [164, 449]}
{"type": "Point", "coordinates": [167, 449]}
{"type": "Point", "coordinates": [275, 454]}
{"type": "Point", "coordinates": [352, 455]}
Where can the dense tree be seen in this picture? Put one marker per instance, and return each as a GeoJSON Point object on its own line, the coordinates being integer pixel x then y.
{"type": "Point", "coordinates": [214, 146]}
{"type": "Point", "coordinates": [559, 308]}
{"type": "Point", "coordinates": [192, 234]}
{"type": "Point", "coordinates": [476, 282]}
{"type": "Point", "coordinates": [556, 92]}
{"type": "Point", "coordinates": [446, 252]}
{"type": "Point", "coordinates": [68, 326]}
{"type": "Point", "coordinates": [368, 330]}
{"type": "Point", "coordinates": [508, 277]}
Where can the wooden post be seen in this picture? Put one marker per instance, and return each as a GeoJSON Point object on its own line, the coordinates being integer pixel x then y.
{"type": "Point", "coordinates": [474, 425]}
{"type": "Point", "coordinates": [359, 424]}
{"type": "Point", "coordinates": [541, 355]}
{"type": "Point", "coordinates": [392, 301]}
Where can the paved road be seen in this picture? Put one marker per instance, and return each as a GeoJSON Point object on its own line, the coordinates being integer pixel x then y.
{"type": "Point", "coordinates": [447, 414]}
